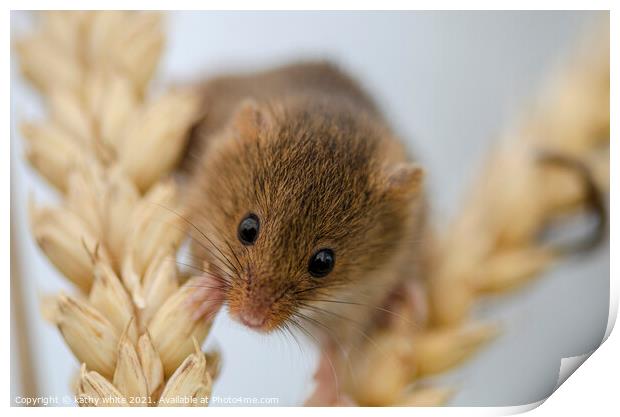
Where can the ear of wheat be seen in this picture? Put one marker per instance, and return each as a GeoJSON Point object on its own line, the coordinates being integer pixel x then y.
{"type": "Point", "coordinates": [553, 165]}
{"type": "Point", "coordinates": [107, 148]}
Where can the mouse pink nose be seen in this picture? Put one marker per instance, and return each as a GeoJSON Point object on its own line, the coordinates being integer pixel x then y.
{"type": "Point", "coordinates": [252, 318]}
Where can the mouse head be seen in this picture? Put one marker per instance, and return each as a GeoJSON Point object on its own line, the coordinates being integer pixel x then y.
{"type": "Point", "coordinates": [293, 203]}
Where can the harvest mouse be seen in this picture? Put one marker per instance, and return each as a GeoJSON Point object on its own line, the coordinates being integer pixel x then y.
{"type": "Point", "coordinates": [307, 210]}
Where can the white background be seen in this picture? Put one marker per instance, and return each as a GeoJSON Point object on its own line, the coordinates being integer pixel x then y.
{"type": "Point", "coordinates": [449, 82]}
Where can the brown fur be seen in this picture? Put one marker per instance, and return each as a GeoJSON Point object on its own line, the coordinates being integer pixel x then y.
{"type": "Point", "coordinates": [305, 149]}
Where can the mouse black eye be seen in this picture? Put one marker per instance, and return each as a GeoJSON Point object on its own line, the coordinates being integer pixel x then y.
{"type": "Point", "coordinates": [321, 263]}
{"type": "Point", "coordinates": [248, 229]}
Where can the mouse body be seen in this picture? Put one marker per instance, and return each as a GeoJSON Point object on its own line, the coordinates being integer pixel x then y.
{"type": "Point", "coordinates": [307, 210]}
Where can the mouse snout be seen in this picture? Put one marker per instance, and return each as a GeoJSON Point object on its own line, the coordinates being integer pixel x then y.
{"type": "Point", "coordinates": [254, 315]}
{"type": "Point", "coordinates": [257, 307]}
{"type": "Point", "coordinates": [252, 318]}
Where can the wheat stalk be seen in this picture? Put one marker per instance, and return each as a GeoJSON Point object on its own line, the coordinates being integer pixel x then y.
{"type": "Point", "coordinates": [108, 148]}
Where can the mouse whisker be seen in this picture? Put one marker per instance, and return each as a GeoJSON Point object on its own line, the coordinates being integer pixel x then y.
{"type": "Point", "coordinates": [215, 266]}
{"type": "Point", "coordinates": [338, 343]}
{"type": "Point", "coordinates": [219, 280]}
{"type": "Point", "coordinates": [286, 328]}
{"type": "Point", "coordinates": [207, 287]}
{"type": "Point", "coordinates": [196, 268]}
{"type": "Point", "coordinates": [320, 287]}
{"type": "Point", "coordinates": [186, 220]}
{"type": "Point", "coordinates": [382, 309]}
{"type": "Point", "coordinates": [222, 259]}
{"type": "Point", "coordinates": [336, 340]}
{"type": "Point", "coordinates": [221, 275]}
{"type": "Point", "coordinates": [332, 313]}
{"type": "Point", "coordinates": [357, 328]}
{"type": "Point", "coordinates": [324, 354]}
{"type": "Point", "coordinates": [225, 264]}
{"type": "Point", "coordinates": [234, 254]}
{"type": "Point", "coordinates": [228, 245]}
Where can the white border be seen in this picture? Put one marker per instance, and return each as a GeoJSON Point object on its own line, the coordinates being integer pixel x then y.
{"type": "Point", "coordinates": [591, 390]}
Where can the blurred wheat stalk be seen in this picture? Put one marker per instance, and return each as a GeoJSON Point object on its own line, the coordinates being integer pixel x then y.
{"type": "Point", "coordinates": [108, 149]}
{"type": "Point", "coordinates": [550, 166]}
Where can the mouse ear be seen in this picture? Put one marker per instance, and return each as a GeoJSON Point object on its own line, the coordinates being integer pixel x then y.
{"type": "Point", "coordinates": [405, 179]}
{"type": "Point", "coordinates": [250, 118]}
